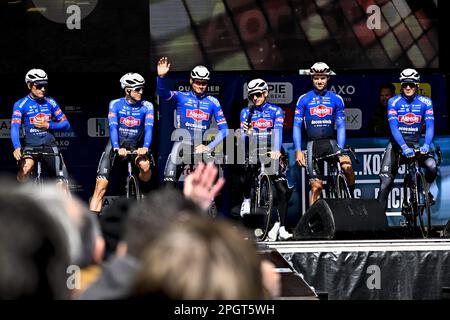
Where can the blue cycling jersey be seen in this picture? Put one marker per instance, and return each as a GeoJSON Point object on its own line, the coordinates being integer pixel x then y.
{"type": "Point", "coordinates": [194, 113]}
{"type": "Point", "coordinates": [128, 122]}
{"type": "Point", "coordinates": [265, 119]}
{"type": "Point", "coordinates": [408, 115]}
{"type": "Point", "coordinates": [320, 111]}
{"type": "Point", "coordinates": [28, 110]}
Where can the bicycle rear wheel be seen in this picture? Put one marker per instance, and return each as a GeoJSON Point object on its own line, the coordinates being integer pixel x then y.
{"type": "Point", "coordinates": [264, 204]}
{"type": "Point", "coordinates": [133, 188]}
{"type": "Point", "coordinates": [424, 206]}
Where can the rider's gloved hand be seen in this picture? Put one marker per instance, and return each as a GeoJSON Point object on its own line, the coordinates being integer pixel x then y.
{"type": "Point", "coordinates": [142, 151]}
{"type": "Point", "coordinates": [17, 154]}
{"type": "Point", "coordinates": [121, 151]}
{"type": "Point", "coordinates": [425, 148]}
{"type": "Point", "coordinates": [407, 151]}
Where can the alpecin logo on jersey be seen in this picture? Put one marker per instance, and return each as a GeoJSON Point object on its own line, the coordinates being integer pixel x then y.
{"type": "Point", "coordinates": [410, 118]}
{"type": "Point", "coordinates": [130, 121]}
{"type": "Point", "coordinates": [197, 114]}
{"type": "Point", "coordinates": [262, 124]}
{"type": "Point", "coordinates": [321, 111]}
{"type": "Point", "coordinates": [40, 116]}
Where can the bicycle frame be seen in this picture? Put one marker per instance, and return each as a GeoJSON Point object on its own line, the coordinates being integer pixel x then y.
{"type": "Point", "coordinates": [416, 198]}
{"type": "Point", "coordinates": [262, 199]}
{"type": "Point", "coordinates": [37, 157]}
{"type": "Point", "coordinates": [132, 183]}
{"type": "Point", "coordinates": [337, 185]}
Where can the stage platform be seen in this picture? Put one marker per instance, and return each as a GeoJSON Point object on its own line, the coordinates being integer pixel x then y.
{"type": "Point", "coordinates": [371, 269]}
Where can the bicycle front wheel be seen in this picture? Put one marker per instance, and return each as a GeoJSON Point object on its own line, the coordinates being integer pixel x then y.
{"type": "Point", "coordinates": [342, 190]}
{"type": "Point", "coordinates": [133, 188]}
{"type": "Point", "coordinates": [264, 204]}
{"type": "Point", "coordinates": [424, 205]}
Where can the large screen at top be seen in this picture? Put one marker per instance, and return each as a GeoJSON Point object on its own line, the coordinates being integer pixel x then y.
{"type": "Point", "coordinates": [292, 34]}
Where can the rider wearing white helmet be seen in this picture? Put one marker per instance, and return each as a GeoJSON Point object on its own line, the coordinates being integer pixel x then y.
{"type": "Point", "coordinates": [321, 109]}
{"type": "Point", "coordinates": [37, 111]}
{"type": "Point", "coordinates": [195, 110]}
{"type": "Point", "coordinates": [130, 126]}
{"type": "Point", "coordinates": [266, 123]}
{"type": "Point", "coordinates": [407, 113]}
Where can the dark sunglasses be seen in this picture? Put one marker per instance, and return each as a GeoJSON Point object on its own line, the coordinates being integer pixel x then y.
{"type": "Point", "coordinates": [140, 89]}
{"type": "Point", "coordinates": [257, 94]}
{"type": "Point", "coordinates": [201, 83]}
{"type": "Point", "coordinates": [411, 85]}
{"type": "Point", "coordinates": [40, 86]}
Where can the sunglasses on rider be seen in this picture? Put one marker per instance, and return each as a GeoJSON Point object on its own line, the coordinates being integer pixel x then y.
{"type": "Point", "coordinates": [257, 95]}
{"type": "Point", "coordinates": [409, 84]}
{"type": "Point", "coordinates": [200, 83]}
{"type": "Point", "coordinates": [40, 86]}
{"type": "Point", "coordinates": [140, 89]}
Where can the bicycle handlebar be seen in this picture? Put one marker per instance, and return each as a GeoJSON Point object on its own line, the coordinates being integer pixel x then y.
{"type": "Point", "coordinates": [134, 152]}
{"type": "Point", "coordinates": [40, 154]}
{"type": "Point", "coordinates": [346, 150]}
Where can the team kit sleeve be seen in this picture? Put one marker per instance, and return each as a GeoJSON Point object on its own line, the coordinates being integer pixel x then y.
{"type": "Point", "coordinates": [298, 119]}
{"type": "Point", "coordinates": [163, 92]}
{"type": "Point", "coordinates": [340, 121]}
{"type": "Point", "coordinates": [429, 122]}
{"type": "Point", "coordinates": [278, 128]}
{"type": "Point", "coordinates": [62, 123]}
{"type": "Point", "coordinates": [221, 123]}
{"type": "Point", "coordinates": [148, 130]}
{"type": "Point", "coordinates": [113, 125]}
{"type": "Point", "coordinates": [16, 121]}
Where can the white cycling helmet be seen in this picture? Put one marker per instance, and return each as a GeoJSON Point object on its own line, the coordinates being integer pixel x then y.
{"type": "Point", "coordinates": [257, 85]}
{"type": "Point", "coordinates": [132, 80]}
{"type": "Point", "coordinates": [320, 68]}
{"type": "Point", "coordinates": [36, 76]}
{"type": "Point", "coordinates": [409, 75]}
{"type": "Point", "coordinates": [200, 73]}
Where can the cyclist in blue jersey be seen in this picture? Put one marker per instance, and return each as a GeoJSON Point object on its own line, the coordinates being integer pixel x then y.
{"type": "Point", "coordinates": [194, 114]}
{"type": "Point", "coordinates": [263, 122]}
{"type": "Point", "coordinates": [36, 113]}
{"type": "Point", "coordinates": [320, 110]}
{"type": "Point", "coordinates": [130, 128]}
{"type": "Point", "coordinates": [407, 113]}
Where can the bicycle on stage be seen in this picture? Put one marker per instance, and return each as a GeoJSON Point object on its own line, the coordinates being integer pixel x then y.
{"type": "Point", "coordinates": [132, 183]}
{"type": "Point", "coordinates": [336, 181]}
{"type": "Point", "coordinates": [39, 155]}
{"type": "Point", "coordinates": [417, 200]}
{"type": "Point", "coordinates": [263, 215]}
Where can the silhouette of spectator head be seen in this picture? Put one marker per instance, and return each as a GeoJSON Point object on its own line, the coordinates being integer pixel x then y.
{"type": "Point", "coordinates": [200, 258]}
{"type": "Point", "coordinates": [34, 251]}
{"type": "Point", "coordinates": [148, 219]}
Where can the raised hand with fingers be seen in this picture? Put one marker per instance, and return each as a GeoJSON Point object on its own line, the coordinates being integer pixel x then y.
{"type": "Point", "coordinates": [163, 66]}
{"type": "Point", "coordinates": [201, 185]}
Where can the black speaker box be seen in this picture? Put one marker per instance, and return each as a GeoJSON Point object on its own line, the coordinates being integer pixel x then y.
{"type": "Point", "coordinates": [342, 219]}
{"type": "Point", "coordinates": [446, 231]}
